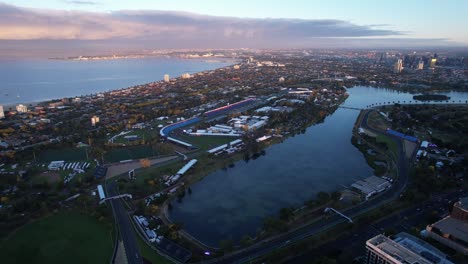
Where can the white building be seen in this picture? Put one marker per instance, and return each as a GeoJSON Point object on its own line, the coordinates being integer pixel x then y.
{"type": "Point", "coordinates": [21, 108]}
{"type": "Point", "coordinates": [166, 77]}
{"type": "Point", "coordinates": [2, 114]}
{"type": "Point", "coordinates": [398, 67]}
{"type": "Point", "coordinates": [421, 65]}
{"type": "Point", "coordinates": [186, 76]}
{"type": "Point", "coordinates": [403, 249]}
{"type": "Point", "coordinates": [94, 120]}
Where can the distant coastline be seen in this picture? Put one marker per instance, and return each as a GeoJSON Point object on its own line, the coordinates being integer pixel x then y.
{"type": "Point", "coordinates": [206, 57]}
{"type": "Point", "coordinates": [36, 81]}
{"type": "Point", "coordinates": [105, 57]}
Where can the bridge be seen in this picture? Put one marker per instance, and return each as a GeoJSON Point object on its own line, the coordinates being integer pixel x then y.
{"type": "Point", "coordinates": [352, 108]}
{"type": "Point", "coordinates": [181, 154]}
{"type": "Point", "coordinates": [328, 209]}
{"type": "Point", "coordinates": [116, 197]}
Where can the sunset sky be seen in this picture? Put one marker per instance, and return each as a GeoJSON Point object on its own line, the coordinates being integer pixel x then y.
{"type": "Point", "coordinates": [91, 26]}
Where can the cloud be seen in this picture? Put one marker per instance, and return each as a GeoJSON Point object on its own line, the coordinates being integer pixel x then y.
{"type": "Point", "coordinates": [91, 32]}
{"type": "Point", "coordinates": [81, 2]}
{"type": "Point", "coordinates": [30, 24]}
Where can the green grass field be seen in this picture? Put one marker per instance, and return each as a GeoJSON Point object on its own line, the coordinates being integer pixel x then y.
{"type": "Point", "coordinates": [68, 154]}
{"type": "Point", "coordinates": [145, 134]}
{"type": "Point", "coordinates": [150, 254]}
{"type": "Point", "coordinates": [126, 153]}
{"type": "Point", "coordinates": [206, 142]}
{"type": "Point", "coordinates": [66, 237]}
{"type": "Point", "coordinates": [391, 144]}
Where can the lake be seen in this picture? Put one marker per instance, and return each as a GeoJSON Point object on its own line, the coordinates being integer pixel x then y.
{"type": "Point", "coordinates": [228, 204]}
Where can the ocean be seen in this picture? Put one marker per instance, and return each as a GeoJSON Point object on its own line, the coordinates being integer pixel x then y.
{"type": "Point", "coordinates": [35, 80]}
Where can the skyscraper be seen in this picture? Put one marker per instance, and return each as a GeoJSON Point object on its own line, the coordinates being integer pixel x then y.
{"type": "Point", "coordinates": [420, 65]}
{"type": "Point", "coordinates": [433, 62]}
{"type": "Point", "coordinates": [2, 114]}
{"type": "Point", "coordinates": [95, 120]}
{"type": "Point", "coordinates": [398, 67]}
{"type": "Point", "coordinates": [166, 77]}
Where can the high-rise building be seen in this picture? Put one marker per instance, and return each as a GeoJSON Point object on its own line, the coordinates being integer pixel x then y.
{"type": "Point", "coordinates": [2, 114]}
{"type": "Point", "coordinates": [433, 62]}
{"type": "Point", "coordinates": [94, 120]}
{"type": "Point", "coordinates": [166, 77]}
{"type": "Point", "coordinates": [398, 67]}
{"type": "Point", "coordinates": [420, 65]}
{"type": "Point", "coordinates": [21, 108]}
{"type": "Point", "coordinates": [404, 248]}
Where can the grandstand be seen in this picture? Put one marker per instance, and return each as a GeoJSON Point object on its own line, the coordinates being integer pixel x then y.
{"type": "Point", "coordinates": [166, 131]}
{"type": "Point", "coordinates": [401, 135]}
{"type": "Point", "coordinates": [227, 108]}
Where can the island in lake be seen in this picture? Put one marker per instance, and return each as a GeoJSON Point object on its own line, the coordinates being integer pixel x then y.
{"type": "Point", "coordinates": [431, 97]}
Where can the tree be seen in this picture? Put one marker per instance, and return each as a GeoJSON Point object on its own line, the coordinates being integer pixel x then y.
{"type": "Point", "coordinates": [323, 197]}
{"type": "Point", "coordinates": [226, 245]}
{"type": "Point", "coordinates": [246, 241]}
{"type": "Point", "coordinates": [145, 163]}
{"type": "Point", "coordinates": [285, 214]}
{"type": "Point", "coordinates": [335, 196]}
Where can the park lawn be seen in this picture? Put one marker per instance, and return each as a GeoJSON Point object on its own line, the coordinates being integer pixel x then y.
{"type": "Point", "coordinates": [150, 254]}
{"type": "Point", "coordinates": [65, 237]}
{"type": "Point", "coordinates": [129, 153]}
{"type": "Point", "coordinates": [143, 134]}
{"type": "Point", "coordinates": [377, 121]}
{"type": "Point", "coordinates": [157, 171]}
{"type": "Point", "coordinates": [391, 144]}
{"type": "Point", "coordinates": [206, 142]}
{"type": "Point", "coordinates": [66, 154]}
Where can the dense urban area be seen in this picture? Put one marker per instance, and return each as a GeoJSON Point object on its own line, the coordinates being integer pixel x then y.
{"type": "Point", "coordinates": [109, 167]}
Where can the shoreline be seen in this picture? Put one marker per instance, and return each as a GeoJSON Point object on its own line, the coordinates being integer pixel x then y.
{"type": "Point", "coordinates": [178, 77]}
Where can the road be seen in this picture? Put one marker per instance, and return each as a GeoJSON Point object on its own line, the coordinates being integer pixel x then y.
{"type": "Point", "coordinates": [353, 244]}
{"type": "Point", "coordinates": [125, 226]}
{"type": "Point", "coordinates": [262, 248]}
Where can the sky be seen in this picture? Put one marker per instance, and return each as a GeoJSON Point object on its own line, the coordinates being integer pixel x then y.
{"type": "Point", "coordinates": [88, 25]}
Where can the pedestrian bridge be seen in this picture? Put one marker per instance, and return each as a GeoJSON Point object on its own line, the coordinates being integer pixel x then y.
{"type": "Point", "coordinates": [328, 209]}
{"type": "Point", "coordinates": [352, 108]}
{"type": "Point", "coordinates": [126, 195]}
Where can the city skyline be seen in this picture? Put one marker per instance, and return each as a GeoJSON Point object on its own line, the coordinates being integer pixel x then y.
{"type": "Point", "coordinates": [57, 27]}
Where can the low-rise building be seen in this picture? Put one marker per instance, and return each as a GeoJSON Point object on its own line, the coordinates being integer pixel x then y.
{"type": "Point", "coordinates": [21, 108]}
{"type": "Point", "coordinates": [452, 230]}
{"type": "Point", "coordinates": [371, 186]}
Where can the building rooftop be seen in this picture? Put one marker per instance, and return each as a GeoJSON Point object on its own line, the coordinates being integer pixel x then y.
{"type": "Point", "coordinates": [385, 246]}
{"type": "Point", "coordinates": [371, 185]}
{"type": "Point", "coordinates": [422, 248]}
{"type": "Point", "coordinates": [463, 203]}
{"type": "Point", "coordinates": [454, 227]}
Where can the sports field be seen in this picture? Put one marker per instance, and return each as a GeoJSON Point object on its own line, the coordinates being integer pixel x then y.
{"type": "Point", "coordinates": [67, 154]}
{"type": "Point", "coordinates": [206, 142]}
{"type": "Point", "coordinates": [129, 153]}
{"type": "Point", "coordinates": [66, 237]}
